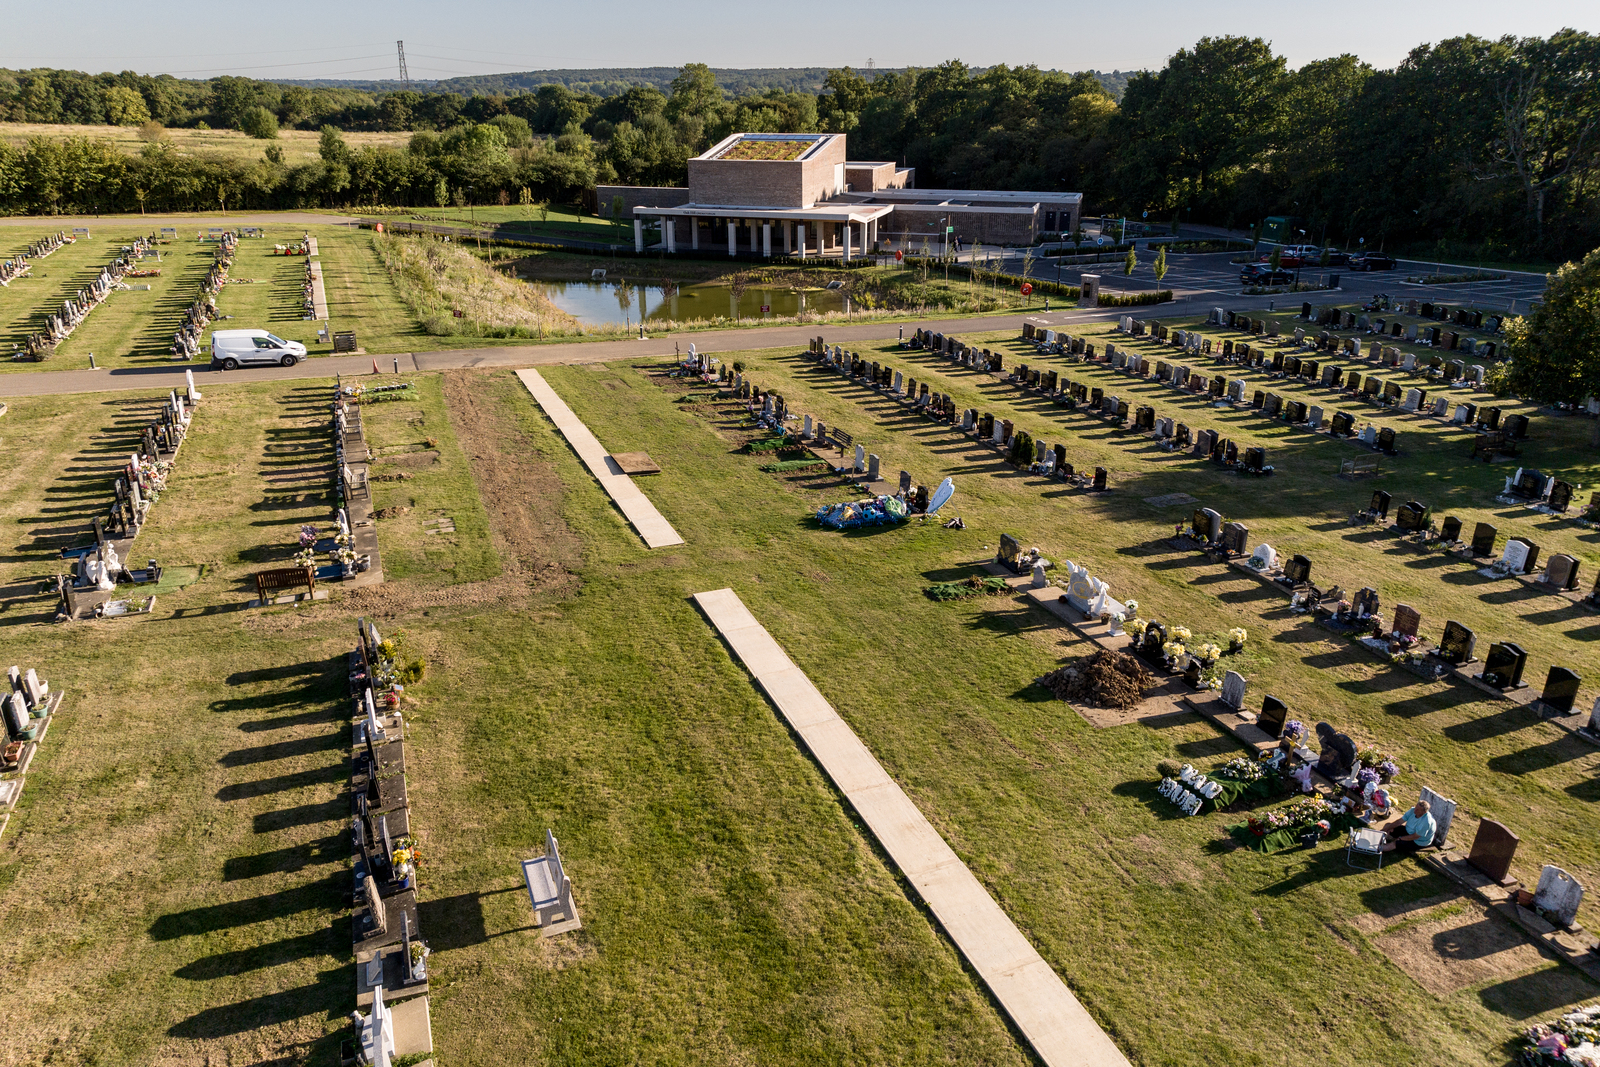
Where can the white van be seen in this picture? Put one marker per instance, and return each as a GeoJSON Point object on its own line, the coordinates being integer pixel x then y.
{"type": "Point", "coordinates": [232, 349]}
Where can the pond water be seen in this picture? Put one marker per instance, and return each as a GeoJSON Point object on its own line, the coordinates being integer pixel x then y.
{"type": "Point", "coordinates": [598, 303]}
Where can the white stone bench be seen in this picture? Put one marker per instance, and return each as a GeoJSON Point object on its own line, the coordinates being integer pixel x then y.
{"type": "Point", "coordinates": [550, 890]}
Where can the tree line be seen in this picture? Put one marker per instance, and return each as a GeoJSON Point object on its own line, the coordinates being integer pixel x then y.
{"type": "Point", "coordinates": [1472, 146]}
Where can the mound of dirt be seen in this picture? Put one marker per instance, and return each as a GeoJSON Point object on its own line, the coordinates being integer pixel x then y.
{"type": "Point", "coordinates": [1107, 679]}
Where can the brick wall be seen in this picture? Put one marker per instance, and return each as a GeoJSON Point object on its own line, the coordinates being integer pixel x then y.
{"type": "Point", "coordinates": [637, 196]}
{"type": "Point", "coordinates": [1012, 228]}
{"type": "Point", "coordinates": [757, 182]}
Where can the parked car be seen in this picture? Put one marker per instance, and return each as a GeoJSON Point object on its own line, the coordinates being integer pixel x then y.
{"type": "Point", "coordinates": [1372, 261]}
{"type": "Point", "coordinates": [232, 349]}
{"type": "Point", "coordinates": [1292, 256]}
{"type": "Point", "coordinates": [1336, 258]}
{"type": "Point", "coordinates": [1262, 274]}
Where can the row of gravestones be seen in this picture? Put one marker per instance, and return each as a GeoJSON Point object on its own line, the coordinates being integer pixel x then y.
{"type": "Point", "coordinates": [1552, 492]}
{"type": "Point", "coordinates": [1494, 846]}
{"type": "Point", "coordinates": [1472, 320]}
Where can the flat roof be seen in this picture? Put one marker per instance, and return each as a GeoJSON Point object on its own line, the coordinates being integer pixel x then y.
{"type": "Point", "coordinates": [969, 196]}
{"type": "Point", "coordinates": [831, 211]}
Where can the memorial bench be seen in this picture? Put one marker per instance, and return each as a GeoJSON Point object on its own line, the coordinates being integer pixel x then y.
{"type": "Point", "coordinates": [550, 890]}
{"type": "Point", "coordinates": [1360, 466]}
{"type": "Point", "coordinates": [344, 341]}
{"type": "Point", "coordinates": [280, 578]}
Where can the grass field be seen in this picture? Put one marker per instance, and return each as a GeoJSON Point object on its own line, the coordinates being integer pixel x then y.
{"type": "Point", "coordinates": [299, 146]}
{"type": "Point", "coordinates": [733, 910]}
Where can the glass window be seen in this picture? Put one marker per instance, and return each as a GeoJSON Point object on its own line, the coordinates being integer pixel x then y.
{"type": "Point", "coordinates": [280, 342]}
{"type": "Point", "coordinates": [263, 342]}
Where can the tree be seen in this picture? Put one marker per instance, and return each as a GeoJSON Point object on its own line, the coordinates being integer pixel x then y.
{"type": "Point", "coordinates": [1549, 112]}
{"type": "Point", "coordinates": [1555, 354]}
{"type": "Point", "coordinates": [1277, 259]}
{"type": "Point", "coordinates": [1130, 262]}
{"type": "Point", "coordinates": [259, 123]}
{"type": "Point", "coordinates": [331, 146]}
{"type": "Point", "coordinates": [1160, 267]}
{"type": "Point", "coordinates": [125, 107]}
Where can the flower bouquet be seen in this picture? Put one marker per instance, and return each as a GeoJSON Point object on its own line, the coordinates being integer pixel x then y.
{"type": "Point", "coordinates": [1173, 651]}
{"type": "Point", "coordinates": [1136, 628]}
{"type": "Point", "coordinates": [306, 557]}
{"type": "Point", "coordinates": [1181, 634]}
{"type": "Point", "coordinates": [1236, 638]}
{"type": "Point", "coordinates": [1131, 607]}
{"type": "Point", "coordinates": [1381, 763]}
{"type": "Point", "coordinates": [1208, 653]}
{"type": "Point", "coordinates": [419, 961]}
{"type": "Point", "coordinates": [1294, 730]}
{"type": "Point", "coordinates": [1243, 769]}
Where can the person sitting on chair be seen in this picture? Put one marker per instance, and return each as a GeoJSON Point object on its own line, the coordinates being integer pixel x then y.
{"type": "Point", "coordinates": [1413, 830]}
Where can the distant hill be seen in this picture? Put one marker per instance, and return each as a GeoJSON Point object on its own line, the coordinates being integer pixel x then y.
{"type": "Point", "coordinates": [611, 81]}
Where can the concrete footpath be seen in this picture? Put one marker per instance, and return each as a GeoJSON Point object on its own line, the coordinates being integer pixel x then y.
{"type": "Point", "coordinates": [656, 530]}
{"type": "Point", "coordinates": [163, 376]}
{"type": "Point", "coordinates": [1061, 1032]}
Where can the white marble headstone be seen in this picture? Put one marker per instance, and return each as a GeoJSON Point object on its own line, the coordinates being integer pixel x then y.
{"type": "Point", "coordinates": [1233, 685]}
{"type": "Point", "coordinates": [1516, 556]}
{"type": "Point", "coordinates": [1265, 557]}
{"type": "Point", "coordinates": [1558, 895]}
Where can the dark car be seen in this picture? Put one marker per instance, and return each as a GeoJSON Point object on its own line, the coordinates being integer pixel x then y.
{"type": "Point", "coordinates": [1372, 261]}
{"type": "Point", "coordinates": [1337, 258]}
{"type": "Point", "coordinates": [1262, 274]}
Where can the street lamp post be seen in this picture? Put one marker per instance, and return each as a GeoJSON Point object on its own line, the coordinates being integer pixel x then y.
{"type": "Point", "coordinates": [1299, 259]}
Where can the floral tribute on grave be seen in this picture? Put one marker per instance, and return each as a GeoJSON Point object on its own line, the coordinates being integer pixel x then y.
{"type": "Point", "coordinates": [876, 511]}
{"type": "Point", "coordinates": [968, 587]}
{"type": "Point", "coordinates": [1574, 1038]}
{"type": "Point", "coordinates": [1306, 819]}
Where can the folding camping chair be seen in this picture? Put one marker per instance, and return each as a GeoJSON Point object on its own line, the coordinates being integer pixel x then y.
{"type": "Point", "coordinates": [1365, 842]}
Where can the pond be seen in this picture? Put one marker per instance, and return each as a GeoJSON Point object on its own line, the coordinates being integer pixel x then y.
{"type": "Point", "coordinates": [598, 303]}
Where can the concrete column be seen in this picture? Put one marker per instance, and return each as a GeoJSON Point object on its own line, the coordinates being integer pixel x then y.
{"type": "Point", "coordinates": [766, 239]}
{"type": "Point", "coordinates": [733, 237]}
{"type": "Point", "coordinates": [671, 235]}
{"type": "Point", "coordinates": [788, 237]}
{"type": "Point", "coordinates": [638, 235]}
{"type": "Point", "coordinates": [846, 236]}
{"type": "Point", "coordinates": [800, 238]}
{"type": "Point", "coordinates": [694, 234]}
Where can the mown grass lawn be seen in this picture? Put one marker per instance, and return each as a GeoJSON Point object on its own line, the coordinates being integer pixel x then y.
{"type": "Point", "coordinates": [734, 911]}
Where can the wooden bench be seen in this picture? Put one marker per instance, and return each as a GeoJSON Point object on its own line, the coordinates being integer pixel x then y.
{"type": "Point", "coordinates": [840, 438]}
{"type": "Point", "coordinates": [280, 578]}
{"type": "Point", "coordinates": [1360, 466]}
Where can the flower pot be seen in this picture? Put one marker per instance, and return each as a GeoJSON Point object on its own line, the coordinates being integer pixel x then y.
{"type": "Point", "coordinates": [1235, 646]}
{"type": "Point", "coordinates": [1524, 898]}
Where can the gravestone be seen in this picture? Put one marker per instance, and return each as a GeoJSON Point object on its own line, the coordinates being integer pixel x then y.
{"type": "Point", "coordinates": [1413, 400]}
{"type": "Point", "coordinates": [1365, 603]}
{"type": "Point", "coordinates": [1235, 537]}
{"type": "Point", "coordinates": [1233, 687]}
{"type": "Point", "coordinates": [1503, 666]}
{"type": "Point", "coordinates": [1483, 537]}
{"type": "Point", "coordinates": [1297, 570]}
{"type": "Point", "coordinates": [1099, 479]}
{"type": "Point", "coordinates": [1264, 558]}
{"type": "Point", "coordinates": [1412, 516]}
{"type": "Point", "coordinates": [1457, 644]}
{"type": "Point", "coordinates": [1010, 554]}
{"type": "Point", "coordinates": [1180, 436]}
{"type": "Point", "coordinates": [1450, 530]}
{"type": "Point", "coordinates": [1562, 571]}
{"type": "Point", "coordinates": [1559, 895]}
{"type": "Point", "coordinates": [1386, 441]}
{"type": "Point", "coordinates": [1560, 690]}
{"type": "Point", "coordinates": [1407, 620]}
{"type": "Point", "coordinates": [1338, 753]}
{"type": "Point", "coordinates": [1443, 811]}
{"type": "Point", "coordinates": [1517, 426]}
{"type": "Point", "coordinates": [1273, 713]}
{"type": "Point", "coordinates": [1314, 418]}
{"type": "Point", "coordinates": [1380, 504]}
{"type": "Point", "coordinates": [1560, 497]}
{"type": "Point", "coordinates": [1493, 849]}
{"type": "Point", "coordinates": [1524, 560]}
{"type": "Point", "coordinates": [1343, 424]}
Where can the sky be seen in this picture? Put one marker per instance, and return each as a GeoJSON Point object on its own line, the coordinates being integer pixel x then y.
{"type": "Point", "coordinates": [356, 38]}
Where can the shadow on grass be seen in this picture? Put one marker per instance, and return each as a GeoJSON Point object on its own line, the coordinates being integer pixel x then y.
{"type": "Point", "coordinates": [1564, 749]}
{"type": "Point", "coordinates": [276, 750]}
{"type": "Point", "coordinates": [331, 849]}
{"type": "Point", "coordinates": [268, 822]}
{"type": "Point", "coordinates": [1536, 994]}
{"type": "Point", "coordinates": [326, 996]}
{"type": "Point", "coordinates": [1319, 867]}
{"type": "Point", "coordinates": [297, 780]}
{"type": "Point", "coordinates": [1506, 721]}
{"type": "Point", "coordinates": [325, 893]}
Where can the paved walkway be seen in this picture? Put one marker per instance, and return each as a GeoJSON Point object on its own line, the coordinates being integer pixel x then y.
{"type": "Point", "coordinates": [319, 296]}
{"type": "Point", "coordinates": [169, 375]}
{"type": "Point", "coordinates": [1037, 1000]}
{"type": "Point", "coordinates": [656, 531]}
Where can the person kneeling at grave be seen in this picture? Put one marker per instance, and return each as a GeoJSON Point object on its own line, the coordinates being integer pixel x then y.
{"type": "Point", "coordinates": [1412, 831]}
